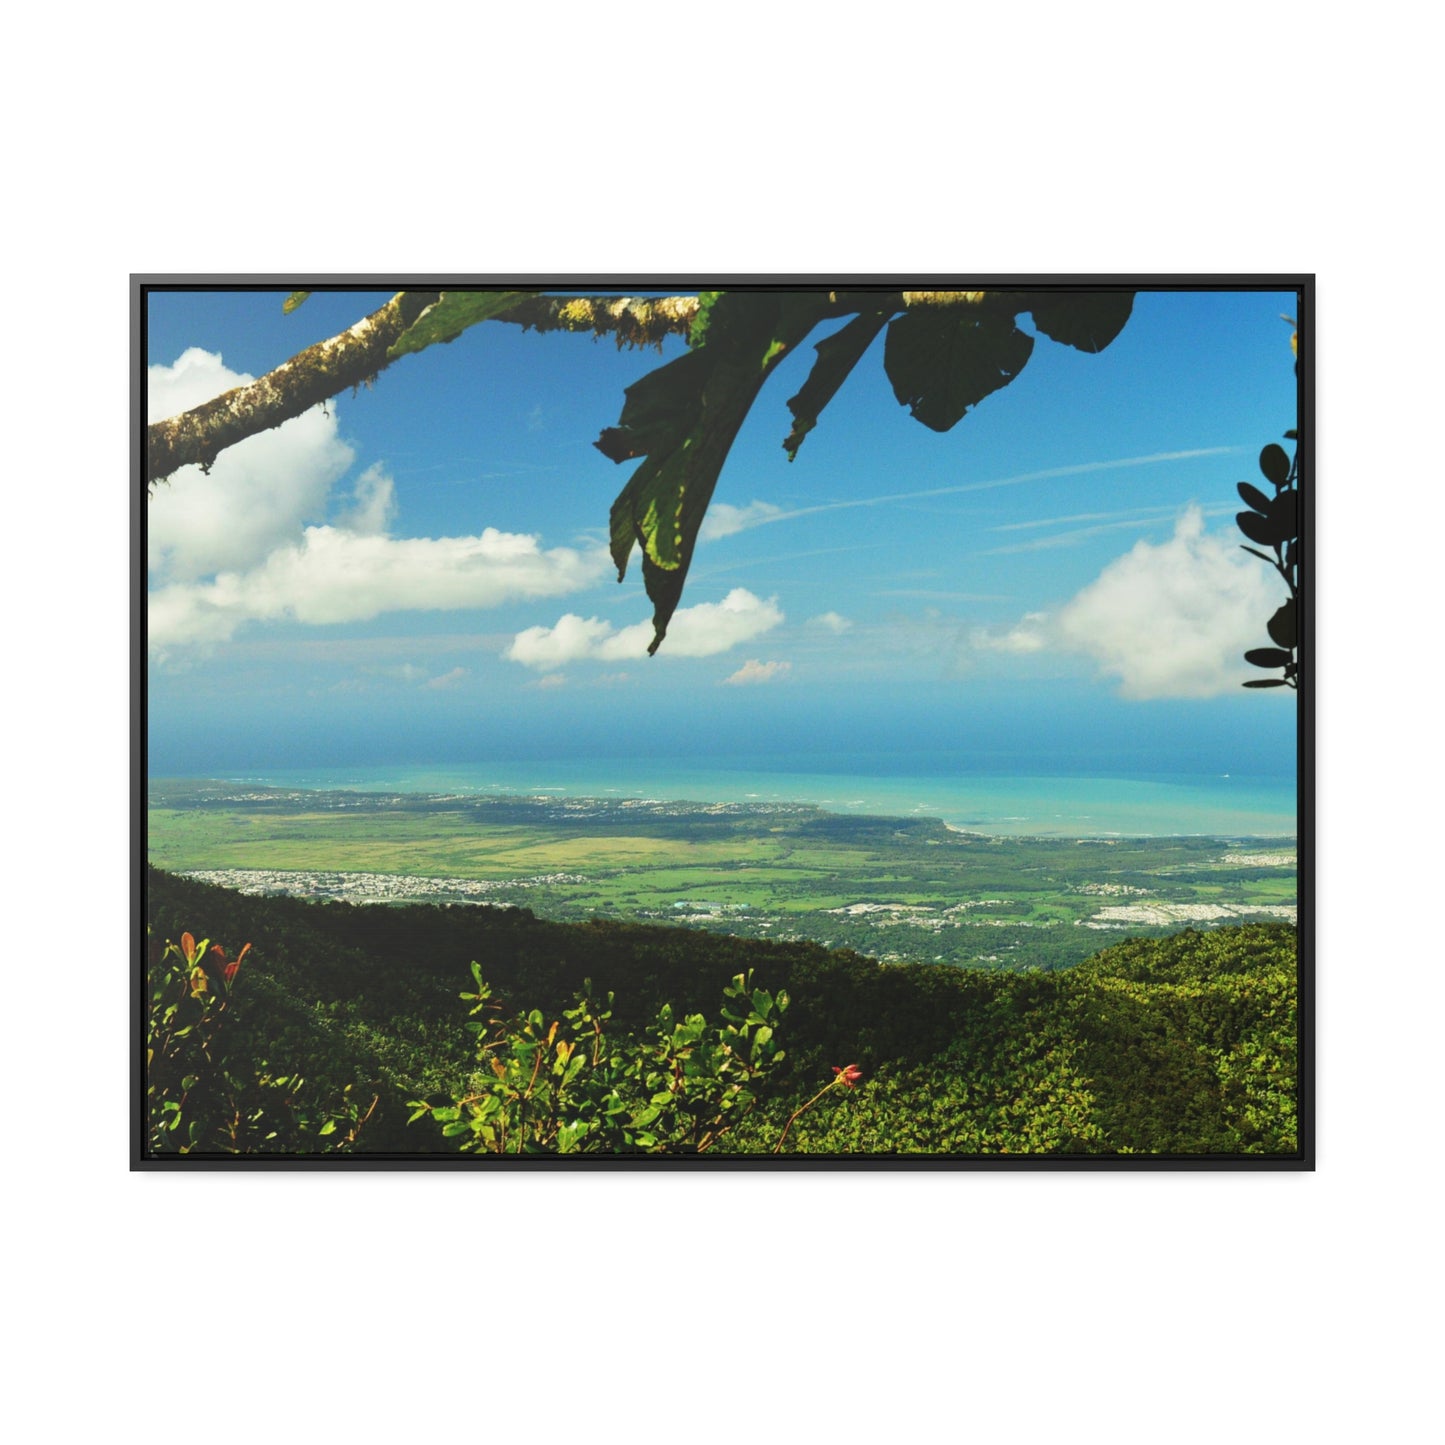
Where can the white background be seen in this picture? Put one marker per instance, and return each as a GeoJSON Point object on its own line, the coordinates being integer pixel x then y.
{"type": "Point", "coordinates": [852, 1305]}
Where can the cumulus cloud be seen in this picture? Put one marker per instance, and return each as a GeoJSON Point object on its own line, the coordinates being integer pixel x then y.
{"type": "Point", "coordinates": [259, 493]}
{"type": "Point", "coordinates": [700, 631]}
{"type": "Point", "coordinates": [1166, 620]}
{"type": "Point", "coordinates": [830, 622]}
{"type": "Point", "coordinates": [333, 575]}
{"type": "Point", "coordinates": [1173, 620]}
{"type": "Point", "coordinates": [753, 672]}
{"type": "Point", "coordinates": [268, 536]}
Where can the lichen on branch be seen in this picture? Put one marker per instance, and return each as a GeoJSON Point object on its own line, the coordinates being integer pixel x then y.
{"type": "Point", "coordinates": [199, 436]}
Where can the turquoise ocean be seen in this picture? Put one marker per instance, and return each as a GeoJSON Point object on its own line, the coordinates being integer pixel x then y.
{"type": "Point", "coordinates": [1224, 805]}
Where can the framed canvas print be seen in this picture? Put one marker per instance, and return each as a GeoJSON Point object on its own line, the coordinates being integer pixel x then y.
{"type": "Point", "coordinates": [717, 722]}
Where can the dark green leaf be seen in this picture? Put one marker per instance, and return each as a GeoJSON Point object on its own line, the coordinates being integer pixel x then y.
{"type": "Point", "coordinates": [943, 360]}
{"type": "Point", "coordinates": [1282, 627]}
{"type": "Point", "coordinates": [1265, 682]}
{"type": "Point", "coordinates": [294, 300]}
{"type": "Point", "coordinates": [1264, 530]}
{"type": "Point", "coordinates": [837, 355]}
{"type": "Point", "coordinates": [1274, 463]}
{"type": "Point", "coordinates": [448, 317]}
{"type": "Point", "coordinates": [1268, 657]}
{"type": "Point", "coordinates": [1253, 497]}
{"type": "Point", "coordinates": [665, 402]}
{"type": "Point", "coordinates": [684, 417]}
{"type": "Point", "coordinates": [1284, 512]}
{"type": "Point", "coordinates": [1087, 321]}
{"type": "Point", "coordinates": [1291, 435]}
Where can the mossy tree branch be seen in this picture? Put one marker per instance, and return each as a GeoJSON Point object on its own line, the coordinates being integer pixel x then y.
{"type": "Point", "coordinates": [197, 437]}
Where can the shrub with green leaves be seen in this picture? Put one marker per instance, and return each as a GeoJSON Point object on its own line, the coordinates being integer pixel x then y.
{"type": "Point", "coordinates": [208, 1089]}
{"type": "Point", "coordinates": [570, 1087]}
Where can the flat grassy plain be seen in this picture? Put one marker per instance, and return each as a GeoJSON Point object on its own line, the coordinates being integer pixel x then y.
{"type": "Point", "coordinates": [897, 889]}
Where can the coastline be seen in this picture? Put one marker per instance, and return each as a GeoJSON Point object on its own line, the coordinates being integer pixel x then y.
{"type": "Point", "coordinates": [1226, 807]}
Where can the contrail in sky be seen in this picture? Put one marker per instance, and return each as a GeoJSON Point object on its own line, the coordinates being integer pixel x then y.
{"type": "Point", "coordinates": [1075, 470]}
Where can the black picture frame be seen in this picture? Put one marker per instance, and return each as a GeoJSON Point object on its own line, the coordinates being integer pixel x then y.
{"type": "Point", "coordinates": [143, 1157]}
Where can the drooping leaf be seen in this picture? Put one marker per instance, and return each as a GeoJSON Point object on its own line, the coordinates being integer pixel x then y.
{"type": "Point", "coordinates": [683, 418]}
{"type": "Point", "coordinates": [295, 299]}
{"type": "Point", "coordinates": [447, 318]}
{"type": "Point", "coordinates": [1282, 626]}
{"type": "Point", "coordinates": [1268, 657]}
{"type": "Point", "coordinates": [1253, 497]}
{"type": "Point", "coordinates": [943, 360]}
{"type": "Point", "coordinates": [1087, 321]}
{"type": "Point", "coordinates": [655, 408]}
{"type": "Point", "coordinates": [837, 355]}
{"type": "Point", "coordinates": [1274, 463]}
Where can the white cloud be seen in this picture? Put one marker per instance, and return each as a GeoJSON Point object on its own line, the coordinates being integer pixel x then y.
{"type": "Point", "coordinates": [373, 503]}
{"type": "Point", "coordinates": [700, 631]}
{"type": "Point", "coordinates": [830, 622]}
{"type": "Point", "coordinates": [1027, 636]}
{"type": "Point", "coordinates": [572, 638]}
{"type": "Point", "coordinates": [250, 541]}
{"type": "Point", "coordinates": [332, 575]}
{"type": "Point", "coordinates": [723, 520]}
{"type": "Point", "coordinates": [1173, 620]}
{"type": "Point", "coordinates": [753, 672]}
{"type": "Point", "coordinates": [259, 493]}
{"type": "Point", "coordinates": [1166, 620]}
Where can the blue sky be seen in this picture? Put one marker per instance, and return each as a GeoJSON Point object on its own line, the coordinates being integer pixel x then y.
{"type": "Point", "coordinates": [419, 573]}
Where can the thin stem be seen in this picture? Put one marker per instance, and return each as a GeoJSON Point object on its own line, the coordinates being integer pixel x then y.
{"type": "Point", "coordinates": [778, 1147]}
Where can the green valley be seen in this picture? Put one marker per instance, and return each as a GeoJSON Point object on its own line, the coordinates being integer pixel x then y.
{"type": "Point", "coordinates": [901, 890]}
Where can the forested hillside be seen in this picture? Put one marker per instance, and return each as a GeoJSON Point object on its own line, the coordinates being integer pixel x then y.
{"type": "Point", "coordinates": [342, 1023]}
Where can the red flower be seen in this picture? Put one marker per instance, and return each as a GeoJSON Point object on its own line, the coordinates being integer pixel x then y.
{"type": "Point", "coordinates": [850, 1075]}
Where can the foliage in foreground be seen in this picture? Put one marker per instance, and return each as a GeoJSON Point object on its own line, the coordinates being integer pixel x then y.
{"type": "Point", "coordinates": [1176, 1046]}
{"type": "Point", "coordinates": [571, 1088]}
{"type": "Point", "coordinates": [209, 1086]}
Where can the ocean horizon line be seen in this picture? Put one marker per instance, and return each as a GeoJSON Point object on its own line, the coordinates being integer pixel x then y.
{"type": "Point", "coordinates": [1154, 805]}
